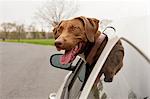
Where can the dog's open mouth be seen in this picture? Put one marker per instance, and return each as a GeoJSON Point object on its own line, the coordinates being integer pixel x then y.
{"type": "Point", "coordinates": [70, 55]}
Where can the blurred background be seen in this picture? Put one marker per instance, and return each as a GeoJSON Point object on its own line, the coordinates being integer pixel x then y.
{"type": "Point", "coordinates": [24, 68]}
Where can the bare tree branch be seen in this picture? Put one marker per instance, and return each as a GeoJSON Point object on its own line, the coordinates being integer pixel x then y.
{"type": "Point", "coordinates": [56, 10]}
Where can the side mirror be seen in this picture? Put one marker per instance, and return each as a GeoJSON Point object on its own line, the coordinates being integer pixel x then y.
{"type": "Point", "coordinates": [54, 61]}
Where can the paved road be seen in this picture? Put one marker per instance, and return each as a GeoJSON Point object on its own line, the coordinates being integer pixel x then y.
{"type": "Point", "coordinates": [25, 72]}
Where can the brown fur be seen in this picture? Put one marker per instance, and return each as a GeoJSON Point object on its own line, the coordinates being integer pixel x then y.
{"type": "Point", "coordinates": [81, 29]}
{"type": "Point", "coordinates": [114, 62]}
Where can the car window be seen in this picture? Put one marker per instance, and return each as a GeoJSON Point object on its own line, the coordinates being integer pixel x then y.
{"type": "Point", "coordinates": [81, 75]}
{"type": "Point", "coordinates": [74, 90]}
{"type": "Point", "coordinates": [132, 81]}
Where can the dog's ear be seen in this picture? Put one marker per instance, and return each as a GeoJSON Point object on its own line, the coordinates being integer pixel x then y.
{"type": "Point", "coordinates": [91, 26]}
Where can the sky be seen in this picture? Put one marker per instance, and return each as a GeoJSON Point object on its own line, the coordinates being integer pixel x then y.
{"type": "Point", "coordinates": [23, 11]}
{"type": "Point", "coordinates": [18, 11]}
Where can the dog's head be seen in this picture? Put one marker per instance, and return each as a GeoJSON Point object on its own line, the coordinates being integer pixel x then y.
{"type": "Point", "coordinates": [72, 35]}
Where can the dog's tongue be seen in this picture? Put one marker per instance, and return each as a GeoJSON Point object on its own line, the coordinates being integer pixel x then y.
{"type": "Point", "coordinates": [67, 57]}
{"type": "Point", "coordinates": [70, 55]}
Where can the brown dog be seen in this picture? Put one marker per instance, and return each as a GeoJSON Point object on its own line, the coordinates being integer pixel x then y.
{"type": "Point", "coordinates": [77, 36]}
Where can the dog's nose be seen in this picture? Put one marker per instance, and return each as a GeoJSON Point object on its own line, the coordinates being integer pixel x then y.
{"type": "Point", "coordinates": [58, 43]}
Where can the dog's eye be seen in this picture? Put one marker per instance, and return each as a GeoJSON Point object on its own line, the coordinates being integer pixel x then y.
{"type": "Point", "coordinates": [73, 28]}
{"type": "Point", "coordinates": [60, 29]}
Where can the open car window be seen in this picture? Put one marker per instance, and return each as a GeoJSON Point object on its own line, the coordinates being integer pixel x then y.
{"type": "Point", "coordinates": [132, 81]}
{"type": "Point", "coordinates": [77, 83]}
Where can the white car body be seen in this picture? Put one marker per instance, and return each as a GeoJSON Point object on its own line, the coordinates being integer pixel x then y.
{"type": "Point", "coordinates": [126, 87]}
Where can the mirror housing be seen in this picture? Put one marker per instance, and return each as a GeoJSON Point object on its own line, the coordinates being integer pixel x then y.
{"type": "Point", "coordinates": [54, 61]}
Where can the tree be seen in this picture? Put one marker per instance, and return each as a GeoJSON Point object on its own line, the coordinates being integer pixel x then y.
{"type": "Point", "coordinates": [33, 30]}
{"type": "Point", "coordinates": [19, 29]}
{"type": "Point", "coordinates": [56, 10]}
{"type": "Point", "coordinates": [6, 29]}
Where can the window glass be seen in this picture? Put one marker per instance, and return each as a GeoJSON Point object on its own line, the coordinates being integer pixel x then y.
{"type": "Point", "coordinates": [131, 82]}
{"type": "Point", "coordinates": [75, 89]}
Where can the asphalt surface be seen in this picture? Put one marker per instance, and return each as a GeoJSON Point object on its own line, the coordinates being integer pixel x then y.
{"type": "Point", "coordinates": [25, 72]}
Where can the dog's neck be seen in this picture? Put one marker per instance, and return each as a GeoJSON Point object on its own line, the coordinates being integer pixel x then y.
{"type": "Point", "coordinates": [89, 45]}
{"type": "Point", "coordinates": [96, 49]}
{"type": "Point", "coordinates": [98, 33]}
{"type": "Point", "coordinates": [91, 49]}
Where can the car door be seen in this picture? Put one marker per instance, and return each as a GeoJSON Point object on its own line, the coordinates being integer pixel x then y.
{"type": "Point", "coordinates": [75, 87]}
{"type": "Point", "coordinates": [132, 82]}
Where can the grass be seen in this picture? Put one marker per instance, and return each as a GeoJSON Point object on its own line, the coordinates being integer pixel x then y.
{"type": "Point", "coordinates": [33, 41]}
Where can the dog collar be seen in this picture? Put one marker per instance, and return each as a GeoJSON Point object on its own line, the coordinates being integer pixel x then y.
{"type": "Point", "coordinates": [91, 56]}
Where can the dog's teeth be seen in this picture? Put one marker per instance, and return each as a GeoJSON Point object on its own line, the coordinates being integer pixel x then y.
{"type": "Point", "coordinates": [76, 48]}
